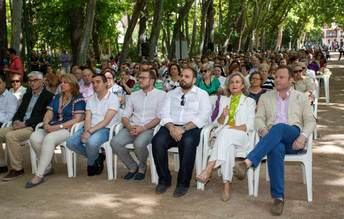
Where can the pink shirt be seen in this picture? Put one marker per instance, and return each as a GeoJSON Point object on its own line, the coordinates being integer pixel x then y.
{"type": "Point", "coordinates": [86, 91]}
{"type": "Point", "coordinates": [282, 109]}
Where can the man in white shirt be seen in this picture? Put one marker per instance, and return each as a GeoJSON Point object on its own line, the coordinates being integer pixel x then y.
{"type": "Point", "coordinates": [139, 119]}
{"type": "Point", "coordinates": [101, 111]}
{"type": "Point", "coordinates": [8, 102]}
{"type": "Point", "coordinates": [185, 111]}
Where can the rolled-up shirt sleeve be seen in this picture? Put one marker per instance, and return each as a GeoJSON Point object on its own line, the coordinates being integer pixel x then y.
{"type": "Point", "coordinates": [128, 111]}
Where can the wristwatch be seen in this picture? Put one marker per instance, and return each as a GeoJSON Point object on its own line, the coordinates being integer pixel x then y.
{"type": "Point", "coordinates": [61, 126]}
{"type": "Point", "coordinates": [184, 128]}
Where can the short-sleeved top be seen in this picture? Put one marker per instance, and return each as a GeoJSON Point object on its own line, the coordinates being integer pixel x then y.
{"type": "Point", "coordinates": [212, 88]}
{"type": "Point", "coordinates": [99, 108]}
{"type": "Point", "coordinates": [268, 83]}
{"type": "Point", "coordinates": [65, 113]}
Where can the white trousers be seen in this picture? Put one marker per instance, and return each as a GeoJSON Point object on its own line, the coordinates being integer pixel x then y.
{"type": "Point", "coordinates": [228, 142]}
{"type": "Point", "coordinates": [44, 145]}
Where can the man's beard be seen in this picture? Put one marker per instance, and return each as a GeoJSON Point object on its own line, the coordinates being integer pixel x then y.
{"type": "Point", "coordinates": [185, 85]}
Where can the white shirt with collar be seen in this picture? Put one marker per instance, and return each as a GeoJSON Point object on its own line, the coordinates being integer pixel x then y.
{"type": "Point", "coordinates": [196, 109]}
{"type": "Point", "coordinates": [8, 106]}
{"type": "Point", "coordinates": [141, 108]}
{"type": "Point", "coordinates": [99, 108]}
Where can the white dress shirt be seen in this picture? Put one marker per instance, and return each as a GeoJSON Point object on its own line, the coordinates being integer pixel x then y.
{"type": "Point", "coordinates": [141, 108]}
{"type": "Point", "coordinates": [99, 108]}
{"type": "Point", "coordinates": [8, 106]}
{"type": "Point", "coordinates": [196, 109]}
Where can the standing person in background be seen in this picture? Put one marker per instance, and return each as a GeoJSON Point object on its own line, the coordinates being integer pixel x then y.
{"type": "Point", "coordinates": [15, 66]}
{"type": "Point", "coordinates": [65, 61]}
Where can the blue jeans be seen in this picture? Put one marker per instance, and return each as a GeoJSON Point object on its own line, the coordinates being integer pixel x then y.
{"type": "Point", "coordinates": [91, 149]}
{"type": "Point", "coordinates": [275, 145]}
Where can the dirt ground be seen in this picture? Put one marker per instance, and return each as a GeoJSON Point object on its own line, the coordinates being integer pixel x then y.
{"type": "Point", "coordinates": [96, 197]}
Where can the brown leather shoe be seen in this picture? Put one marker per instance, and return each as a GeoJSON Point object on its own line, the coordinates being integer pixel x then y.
{"type": "Point", "coordinates": [13, 174]}
{"type": "Point", "coordinates": [277, 207]}
{"type": "Point", "coordinates": [240, 170]}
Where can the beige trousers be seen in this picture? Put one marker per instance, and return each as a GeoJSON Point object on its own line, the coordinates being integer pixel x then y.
{"type": "Point", "coordinates": [14, 139]}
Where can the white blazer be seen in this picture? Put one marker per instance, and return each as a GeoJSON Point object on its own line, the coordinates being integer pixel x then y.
{"type": "Point", "coordinates": [244, 114]}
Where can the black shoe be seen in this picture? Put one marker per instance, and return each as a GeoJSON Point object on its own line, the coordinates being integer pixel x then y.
{"type": "Point", "coordinates": [140, 176]}
{"type": "Point", "coordinates": [4, 169]}
{"type": "Point", "coordinates": [13, 174]}
{"type": "Point", "coordinates": [161, 188]}
{"type": "Point", "coordinates": [130, 175]}
{"type": "Point", "coordinates": [100, 163]}
{"type": "Point", "coordinates": [92, 170]}
{"type": "Point", "coordinates": [180, 191]}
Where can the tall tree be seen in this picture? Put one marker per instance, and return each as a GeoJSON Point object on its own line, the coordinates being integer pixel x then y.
{"type": "Point", "coordinates": [3, 29]}
{"type": "Point", "coordinates": [87, 33]}
{"type": "Point", "coordinates": [139, 5]}
{"type": "Point", "coordinates": [156, 26]}
{"type": "Point", "coordinates": [17, 30]}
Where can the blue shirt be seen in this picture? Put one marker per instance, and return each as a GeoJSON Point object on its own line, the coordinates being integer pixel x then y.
{"type": "Point", "coordinates": [65, 113]}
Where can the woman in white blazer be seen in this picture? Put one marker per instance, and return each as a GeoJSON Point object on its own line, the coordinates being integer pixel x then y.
{"type": "Point", "coordinates": [235, 120]}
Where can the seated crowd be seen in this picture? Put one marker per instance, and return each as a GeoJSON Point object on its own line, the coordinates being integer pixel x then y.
{"type": "Point", "coordinates": [240, 93]}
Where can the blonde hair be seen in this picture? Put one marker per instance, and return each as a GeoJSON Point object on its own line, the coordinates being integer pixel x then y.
{"type": "Point", "coordinates": [263, 66]}
{"type": "Point", "coordinates": [71, 79]}
{"type": "Point", "coordinates": [229, 78]}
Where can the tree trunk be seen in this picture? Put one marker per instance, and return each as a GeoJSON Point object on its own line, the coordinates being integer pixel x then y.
{"type": "Point", "coordinates": [156, 26]}
{"type": "Point", "coordinates": [139, 5]}
{"type": "Point", "coordinates": [279, 38]}
{"type": "Point", "coordinates": [208, 44]}
{"type": "Point", "coordinates": [95, 42]}
{"type": "Point", "coordinates": [76, 22]}
{"type": "Point", "coordinates": [205, 6]}
{"type": "Point", "coordinates": [17, 31]}
{"type": "Point", "coordinates": [142, 38]}
{"type": "Point", "coordinates": [87, 33]}
{"type": "Point", "coordinates": [194, 30]}
{"type": "Point", "coordinates": [3, 29]}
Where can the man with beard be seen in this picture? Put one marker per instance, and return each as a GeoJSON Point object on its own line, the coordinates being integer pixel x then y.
{"type": "Point", "coordinates": [185, 111]}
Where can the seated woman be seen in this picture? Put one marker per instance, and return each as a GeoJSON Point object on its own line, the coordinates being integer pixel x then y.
{"type": "Point", "coordinates": [173, 78]}
{"type": "Point", "coordinates": [255, 90]}
{"type": "Point", "coordinates": [208, 82]}
{"type": "Point", "coordinates": [125, 81]}
{"type": "Point", "coordinates": [16, 87]}
{"type": "Point", "coordinates": [235, 121]}
{"type": "Point", "coordinates": [51, 82]}
{"type": "Point", "coordinates": [113, 86]}
{"type": "Point", "coordinates": [63, 112]}
{"type": "Point", "coordinates": [268, 79]}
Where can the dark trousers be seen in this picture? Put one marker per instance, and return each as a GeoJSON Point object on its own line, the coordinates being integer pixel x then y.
{"type": "Point", "coordinates": [275, 145]}
{"type": "Point", "coordinates": [187, 147]}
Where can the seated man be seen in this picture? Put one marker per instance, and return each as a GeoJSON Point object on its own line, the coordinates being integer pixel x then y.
{"type": "Point", "coordinates": [86, 88]}
{"type": "Point", "coordinates": [30, 112]}
{"type": "Point", "coordinates": [185, 111]}
{"type": "Point", "coordinates": [139, 119]}
{"type": "Point", "coordinates": [8, 103]}
{"type": "Point", "coordinates": [101, 109]}
{"type": "Point", "coordinates": [284, 121]}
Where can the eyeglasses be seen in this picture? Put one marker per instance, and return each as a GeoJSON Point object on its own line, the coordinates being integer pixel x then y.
{"type": "Point", "coordinates": [297, 71]}
{"type": "Point", "coordinates": [33, 80]}
{"type": "Point", "coordinates": [109, 78]}
{"type": "Point", "coordinates": [256, 79]}
{"type": "Point", "coordinates": [182, 101]}
{"type": "Point", "coordinates": [142, 78]}
{"type": "Point", "coordinates": [15, 81]}
{"type": "Point", "coordinates": [203, 71]}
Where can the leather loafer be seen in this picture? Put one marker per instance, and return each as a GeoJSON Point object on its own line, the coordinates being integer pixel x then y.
{"type": "Point", "coordinates": [180, 191]}
{"type": "Point", "coordinates": [161, 188]}
{"type": "Point", "coordinates": [13, 174]}
{"type": "Point", "coordinates": [30, 185]}
{"type": "Point", "coordinates": [277, 207]}
{"type": "Point", "coordinates": [130, 175]}
{"type": "Point", "coordinates": [140, 176]}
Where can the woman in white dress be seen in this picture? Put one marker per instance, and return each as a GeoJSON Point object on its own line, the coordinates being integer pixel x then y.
{"type": "Point", "coordinates": [235, 120]}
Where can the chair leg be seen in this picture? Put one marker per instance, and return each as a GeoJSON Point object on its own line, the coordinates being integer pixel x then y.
{"type": "Point", "coordinates": [256, 180]}
{"type": "Point", "coordinates": [109, 161]}
{"type": "Point", "coordinates": [176, 162]}
{"type": "Point", "coordinates": [309, 181]}
{"type": "Point", "coordinates": [198, 162]}
{"type": "Point", "coordinates": [154, 175]}
{"type": "Point", "coordinates": [250, 181]}
{"type": "Point", "coordinates": [267, 172]}
{"type": "Point", "coordinates": [70, 163]}
{"type": "Point", "coordinates": [115, 166]}
{"type": "Point", "coordinates": [304, 177]}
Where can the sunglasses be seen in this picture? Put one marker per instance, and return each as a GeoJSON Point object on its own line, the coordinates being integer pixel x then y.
{"type": "Point", "coordinates": [182, 101]}
{"type": "Point", "coordinates": [15, 81]}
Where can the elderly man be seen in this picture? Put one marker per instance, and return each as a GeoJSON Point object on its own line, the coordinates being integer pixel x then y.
{"type": "Point", "coordinates": [185, 111]}
{"type": "Point", "coordinates": [28, 115]}
{"type": "Point", "coordinates": [284, 121]}
{"type": "Point", "coordinates": [86, 87]}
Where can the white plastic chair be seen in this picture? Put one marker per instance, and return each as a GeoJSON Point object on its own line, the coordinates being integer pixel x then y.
{"type": "Point", "coordinates": [305, 159]}
{"type": "Point", "coordinates": [131, 147]}
{"type": "Point", "coordinates": [326, 79]}
{"type": "Point", "coordinates": [239, 154]}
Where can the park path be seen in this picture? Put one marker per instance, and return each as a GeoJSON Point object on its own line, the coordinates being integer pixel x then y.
{"type": "Point", "coordinates": [95, 197]}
